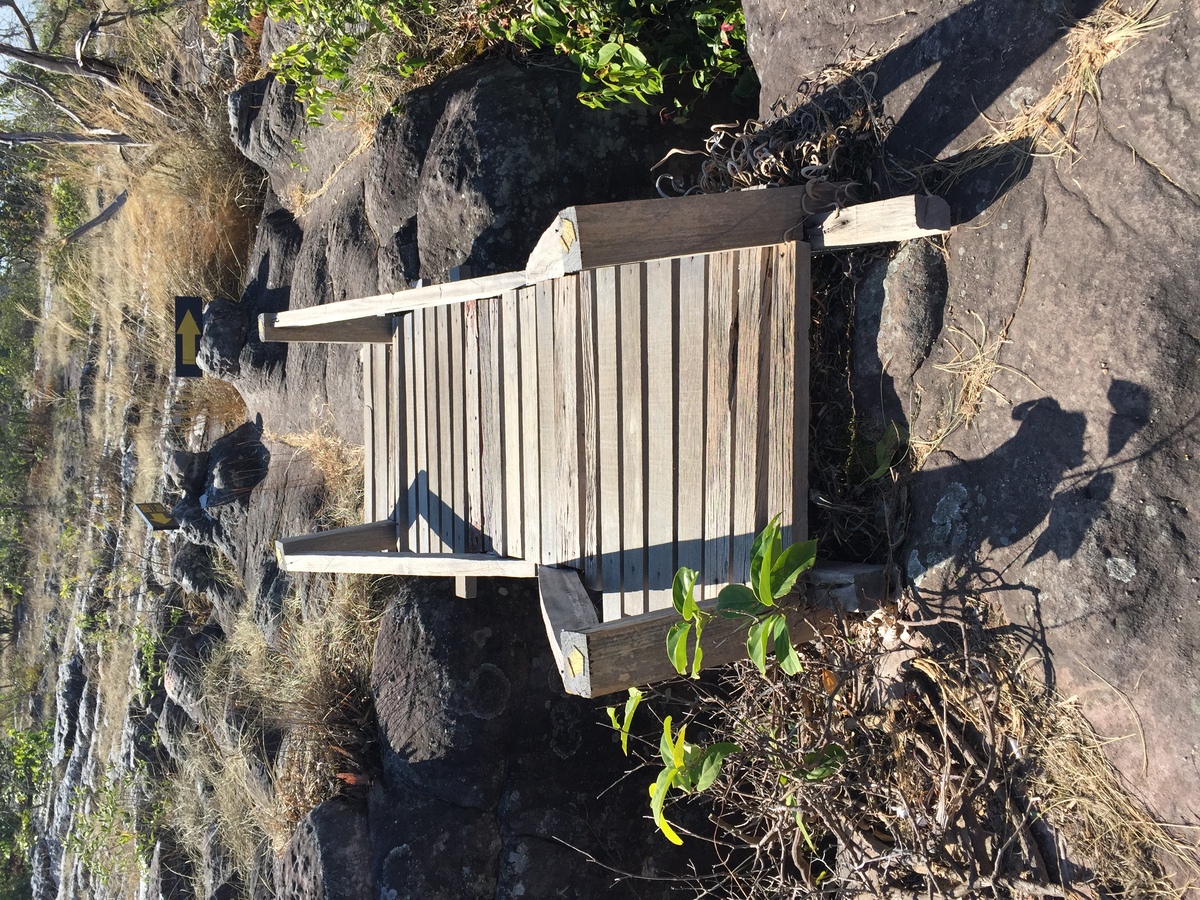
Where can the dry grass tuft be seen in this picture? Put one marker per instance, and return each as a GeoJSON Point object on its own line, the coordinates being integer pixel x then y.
{"type": "Point", "coordinates": [209, 402]}
{"type": "Point", "coordinates": [341, 467]}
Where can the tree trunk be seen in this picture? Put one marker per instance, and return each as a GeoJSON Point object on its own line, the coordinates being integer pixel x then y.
{"type": "Point", "coordinates": [62, 137]}
{"type": "Point", "coordinates": [87, 67]}
{"type": "Point", "coordinates": [103, 216]}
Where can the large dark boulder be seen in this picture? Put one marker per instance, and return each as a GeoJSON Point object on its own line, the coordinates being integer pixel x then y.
{"type": "Point", "coordinates": [184, 675]}
{"type": "Point", "coordinates": [329, 856]}
{"type": "Point", "coordinates": [226, 327]}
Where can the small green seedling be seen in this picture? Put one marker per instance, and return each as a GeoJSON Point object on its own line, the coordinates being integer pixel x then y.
{"type": "Point", "coordinates": [684, 598]}
{"type": "Point", "coordinates": [686, 767]}
{"type": "Point", "coordinates": [631, 705]}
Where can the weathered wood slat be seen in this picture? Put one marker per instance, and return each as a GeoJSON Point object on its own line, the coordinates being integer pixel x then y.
{"type": "Point", "coordinates": [633, 446]}
{"type": "Point", "coordinates": [779, 435]}
{"type": "Point", "coordinates": [473, 565]}
{"type": "Point", "coordinates": [371, 330]}
{"type": "Point", "coordinates": [802, 280]}
{"type": "Point", "coordinates": [458, 428]}
{"type": "Point", "coordinates": [548, 438]}
{"type": "Point", "coordinates": [402, 301]}
{"type": "Point", "coordinates": [691, 376]}
{"type": "Point", "coordinates": [446, 471]}
{"type": "Point", "coordinates": [379, 426]}
{"type": "Point", "coordinates": [748, 328]}
{"type": "Point", "coordinates": [392, 455]}
{"type": "Point", "coordinates": [618, 655]}
{"type": "Point", "coordinates": [718, 423]}
{"type": "Point", "coordinates": [510, 378]}
{"type": "Point", "coordinates": [471, 405]}
{"type": "Point", "coordinates": [367, 359]}
{"type": "Point", "coordinates": [374, 536]}
{"type": "Point", "coordinates": [434, 452]}
{"type": "Point", "coordinates": [412, 488]}
{"type": "Point", "coordinates": [491, 391]}
{"type": "Point", "coordinates": [609, 444]}
{"type": "Point", "coordinates": [421, 419]}
{"type": "Point", "coordinates": [565, 607]}
{"type": "Point", "coordinates": [530, 424]}
{"type": "Point", "coordinates": [881, 222]}
{"type": "Point", "coordinates": [566, 418]}
{"type": "Point", "coordinates": [399, 444]}
{"type": "Point", "coordinates": [589, 440]}
{"type": "Point", "coordinates": [661, 302]}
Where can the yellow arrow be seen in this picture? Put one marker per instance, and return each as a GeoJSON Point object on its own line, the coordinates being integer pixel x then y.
{"type": "Point", "coordinates": [190, 332]}
{"type": "Point", "coordinates": [159, 518]}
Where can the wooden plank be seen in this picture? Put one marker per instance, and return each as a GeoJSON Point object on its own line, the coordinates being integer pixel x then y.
{"type": "Point", "coordinates": [458, 426]}
{"type": "Point", "coordinates": [367, 359]}
{"type": "Point", "coordinates": [613, 234]}
{"type": "Point", "coordinates": [589, 438]}
{"type": "Point", "coordinates": [565, 607]}
{"type": "Point", "coordinates": [745, 469]}
{"type": "Point", "coordinates": [412, 488]}
{"type": "Point", "coordinates": [378, 536]}
{"type": "Point", "coordinates": [566, 418]}
{"type": "Point", "coordinates": [803, 293]}
{"type": "Point", "coordinates": [399, 446]}
{"type": "Point", "coordinates": [421, 419]}
{"type": "Point", "coordinates": [474, 514]}
{"type": "Point", "coordinates": [466, 587]}
{"type": "Point", "coordinates": [882, 222]}
{"type": "Point", "coordinates": [530, 424]}
{"type": "Point", "coordinates": [402, 301]}
{"type": "Point", "coordinates": [392, 455]}
{"type": "Point", "coordinates": [475, 565]}
{"type": "Point", "coordinates": [379, 389]}
{"type": "Point", "coordinates": [446, 468]}
{"type": "Point", "coordinates": [661, 303]}
{"type": "Point", "coordinates": [510, 377]}
{"type": "Point", "coordinates": [549, 477]}
{"type": "Point", "coordinates": [615, 656]}
{"type": "Point", "coordinates": [693, 293]}
{"type": "Point", "coordinates": [633, 440]}
{"type": "Point", "coordinates": [608, 400]}
{"type": "Point", "coordinates": [491, 458]}
{"type": "Point", "coordinates": [718, 423]}
{"type": "Point", "coordinates": [371, 330]}
{"type": "Point", "coordinates": [779, 436]}
{"type": "Point", "coordinates": [434, 453]}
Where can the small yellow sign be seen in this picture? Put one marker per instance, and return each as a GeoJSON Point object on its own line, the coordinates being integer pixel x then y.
{"type": "Point", "coordinates": [190, 332]}
{"type": "Point", "coordinates": [568, 235]}
{"type": "Point", "coordinates": [575, 662]}
{"type": "Point", "coordinates": [157, 516]}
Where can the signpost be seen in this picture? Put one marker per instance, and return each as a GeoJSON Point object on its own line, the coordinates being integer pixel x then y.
{"type": "Point", "coordinates": [157, 516]}
{"type": "Point", "coordinates": [189, 317]}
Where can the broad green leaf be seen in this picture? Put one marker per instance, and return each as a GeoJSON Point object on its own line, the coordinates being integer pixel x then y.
{"type": "Point", "coordinates": [756, 549]}
{"type": "Point", "coordinates": [607, 52]}
{"type": "Point", "coordinates": [737, 600]}
{"type": "Point", "coordinates": [683, 592]}
{"type": "Point", "coordinates": [709, 765]}
{"type": "Point", "coordinates": [677, 641]}
{"type": "Point", "coordinates": [885, 450]}
{"type": "Point", "coordinates": [631, 705]}
{"type": "Point", "coordinates": [634, 56]}
{"type": "Point", "coordinates": [787, 568]}
{"type": "Point", "coordinates": [666, 746]}
{"type": "Point", "coordinates": [658, 796]}
{"type": "Point", "coordinates": [677, 757]}
{"type": "Point", "coordinates": [824, 762]}
{"type": "Point", "coordinates": [785, 653]}
{"type": "Point", "coordinates": [698, 658]}
{"type": "Point", "coordinates": [756, 643]}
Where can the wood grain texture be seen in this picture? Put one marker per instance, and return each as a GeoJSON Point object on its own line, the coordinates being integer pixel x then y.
{"type": "Point", "coordinates": [422, 438]}
{"type": "Point", "coordinates": [392, 454]}
{"type": "Point", "coordinates": [609, 445]}
{"type": "Point", "coordinates": [400, 444]}
{"type": "Point", "coordinates": [446, 469]}
{"type": "Point", "coordinates": [547, 437]}
{"type": "Point", "coordinates": [474, 513]}
{"type": "Point", "coordinates": [492, 441]}
{"type": "Point", "coordinates": [803, 295]}
{"type": "Point", "coordinates": [530, 424]}
{"type": "Point", "coordinates": [589, 438]}
{"type": "Point", "coordinates": [402, 301]}
{"type": "Point", "coordinates": [477, 565]}
{"type": "Point", "coordinates": [718, 423]}
{"type": "Point", "coordinates": [633, 439]}
{"type": "Point", "coordinates": [375, 536]}
{"type": "Point", "coordinates": [371, 330]}
{"type": "Point", "coordinates": [367, 359]}
{"type": "Point", "coordinates": [565, 606]}
{"type": "Point", "coordinates": [566, 419]}
{"type": "Point", "coordinates": [745, 437]}
{"type": "Point", "coordinates": [690, 385]}
{"type": "Point", "coordinates": [661, 283]}
{"type": "Point", "coordinates": [458, 427]}
{"type": "Point", "coordinates": [410, 435]}
{"type": "Point", "coordinates": [433, 455]}
{"type": "Point", "coordinates": [881, 222]}
{"type": "Point", "coordinates": [781, 429]}
{"type": "Point", "coordinates": [510, 425]}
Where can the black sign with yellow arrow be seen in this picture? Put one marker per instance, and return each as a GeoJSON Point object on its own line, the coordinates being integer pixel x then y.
{"type": "Point", "coordinates": [189, 319]}
{"type": "Point", "coordinates": [157, 516]}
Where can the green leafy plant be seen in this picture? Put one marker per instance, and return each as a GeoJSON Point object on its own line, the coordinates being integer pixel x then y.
{"type": "Point", "coordinates": [686, 767]}
{"type": "Point", "coordinates": [631, 705]}
{"type": "Point", "coordinates": [773, 575]}
{"type": "Point", "coordinates": [887, 448]}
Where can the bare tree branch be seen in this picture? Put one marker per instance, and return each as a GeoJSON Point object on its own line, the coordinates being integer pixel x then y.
{"type": "Point", "coordinates": [62, 137]}
{"type": "Point", "coordinates": [33, 85]}
{"type": "Point", "coordinates": [103, 216]}
{"type": "Point", "coordinates": [12, 4]}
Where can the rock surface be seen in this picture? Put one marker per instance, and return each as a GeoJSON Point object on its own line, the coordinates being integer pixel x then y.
{"type": "Point", "coordinates": [1069, 499]}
